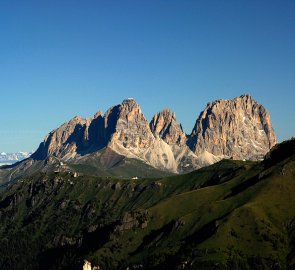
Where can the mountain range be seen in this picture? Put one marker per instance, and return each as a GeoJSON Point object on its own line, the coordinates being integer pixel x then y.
{"type": "Point", "coordinates": [118, 192]}
{"type": "Point", "coordinates": [122, 142]}
{"type": "Point", "coordinates": [236, 215]}
{"type": "Point", "coordinates": [10, 158]}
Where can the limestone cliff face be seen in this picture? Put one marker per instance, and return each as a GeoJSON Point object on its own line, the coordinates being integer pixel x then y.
{"type": "Point", "coordinates": [63, 140]}
{"type": "Point", "coordinates": [129, 134]}
{"type": "Point", "coordinates": [165, 125]}
{"type": "Point", "coordinates": [77, 136]}
{"type": "Point", "coordinates": [238, 128]}
{"type": "Point", "coordinates": [123, 129]}
{"type": "Point", "coordinates": [127, 126]}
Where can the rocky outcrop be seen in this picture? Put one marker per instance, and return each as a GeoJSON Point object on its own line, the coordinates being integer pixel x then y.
{"type": "Point", "coordinates": [127, 126]}
{"type": "Point", "coordinates": [87, 266]}
{"type": "Point", "coordinates": [63, 141]}
{"type": "Point", "coordinates": [78, 136]}
{"type": "Point", "coordinates": [129, 134]}
{"type": "Point", "coordinates": [133, 220]}
{"type": "Point", "coordinates": [238, 129]}
{"type": "Point", "coordinates": [165, 125]}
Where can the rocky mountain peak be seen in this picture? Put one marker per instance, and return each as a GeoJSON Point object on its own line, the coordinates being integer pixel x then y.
{"type": "Point", "coordinates": [130, 127]}
{"type": "Point", "coordinates": [238, 128]}
{"type": "Point", "coordinates": [131, 110]}
{"type": "Point", "coordinates": [64, 140]}
{"type": "Point", "coordinates": [131, 136]}
{"type": "Point", "coordinates": [129, 102]}
{"type": "Point", "coordinates": [97, 115]}
{"type": "Point", "coordinates": [165, 126]}
{"type": "Point", "coordinates": [76, 118]}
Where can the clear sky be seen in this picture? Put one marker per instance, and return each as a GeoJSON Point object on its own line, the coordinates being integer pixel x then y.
{"type": "Point", "coordinates": [61, 58]}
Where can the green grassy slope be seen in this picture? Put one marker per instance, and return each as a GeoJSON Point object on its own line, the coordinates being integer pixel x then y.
{"type": "Point", "coordinates": [231, 215]}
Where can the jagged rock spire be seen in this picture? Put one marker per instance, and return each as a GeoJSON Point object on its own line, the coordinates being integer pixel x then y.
{"type": "Point", "coordinates": [165, 125]}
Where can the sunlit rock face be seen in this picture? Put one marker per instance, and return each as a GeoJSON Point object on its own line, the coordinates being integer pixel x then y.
{"type": "Point", "coordinates": [165, 125]}
{"type": "Point", "coordinates": [238, 128]}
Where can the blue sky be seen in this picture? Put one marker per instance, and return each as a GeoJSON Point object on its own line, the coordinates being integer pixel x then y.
{"type": "Point", "coordinates": [64, 58]}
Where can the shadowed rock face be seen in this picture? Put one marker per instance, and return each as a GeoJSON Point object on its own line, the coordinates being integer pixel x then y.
{"type": "Point", "coordinates": [78, 136]}
{"type": "Point", "coordinates": [63, 140]}
{"type": "Point", "coordinates": [165, 125]}
{"type": "Point", "coordinates": [95, 135]}
{"type": "Point", "coordinates": [238, 128]}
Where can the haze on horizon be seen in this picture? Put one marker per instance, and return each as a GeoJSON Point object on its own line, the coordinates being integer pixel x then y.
{"type": "Point", "coordinates": [64, 59]}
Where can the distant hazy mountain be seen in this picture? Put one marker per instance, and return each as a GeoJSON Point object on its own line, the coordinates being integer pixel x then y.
{"type": "Point", "coordinates": [10, 158]}
{"type": "Point", "coordinates": [122, 138]}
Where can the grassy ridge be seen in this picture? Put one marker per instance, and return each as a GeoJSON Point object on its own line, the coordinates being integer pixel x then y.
{"type": "Point", "coordinates": [231, 215]}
